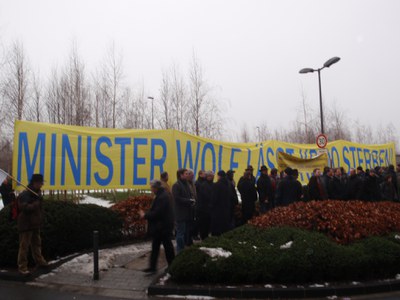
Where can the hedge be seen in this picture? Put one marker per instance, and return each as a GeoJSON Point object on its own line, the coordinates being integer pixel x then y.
{"type": "Point", "coordinates": [342, 221]}
{"type": "Point", "coordinates": [67, 228]}
{"type": "Point", "coordinates": [257, 257]}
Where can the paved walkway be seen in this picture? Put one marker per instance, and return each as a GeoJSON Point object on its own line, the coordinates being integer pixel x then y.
{"type": "Point", "coordinates": [123, 278]}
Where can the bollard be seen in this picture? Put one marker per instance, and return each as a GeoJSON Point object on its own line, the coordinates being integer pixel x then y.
{"type": "Point", "coordinates": [95, 255]}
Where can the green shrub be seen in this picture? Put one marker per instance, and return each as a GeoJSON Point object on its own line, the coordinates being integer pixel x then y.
{"type": "Point", "coordinates": [313, 257]}
{"type": "Point", "coordinates": [67, 228]}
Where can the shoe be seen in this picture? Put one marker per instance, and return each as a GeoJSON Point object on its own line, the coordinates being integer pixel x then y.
{"type": "Point", "coordinates": [24, 272]}
{"type": "Point", "coordinates": [149, 270]}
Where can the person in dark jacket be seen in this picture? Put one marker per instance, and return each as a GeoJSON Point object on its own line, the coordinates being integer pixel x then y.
{"type": "Point", "coordinates": [388, 189]}
{"type": "Point", "coordinates": [371, 188]}
{"type": "Point", "coordinates": [248, 194]}
{"type": "Point", "coordinates": [264, 189]}
{"type": "Point", "coordinates": [354, 186]}
{"type": "Point", "coordinates": [392, 173]}
{"type": "Point", "coordinates": [160, 220]}
{"type": "Point", "coordinates": [203, 205]}
{"type": "Point", "coordinates": [288, 190]}
{"type": "Point", "coordinates": [30, 220]}
{"type": "Point", "coordinates": [274, 185]}
{"type": "Point", "coordinates": [326, 178]}
{"type": "Point", "coordinates": [316, 188]}
{"type": "Point", "coordinates": [336, 186]}
{"type": "Point", "coordinates": [234, 197]}
{"type": "Point", "coordinates": [7, 192]}
{"type": "Point", "coordinates": [183, 202]}
{"type": "Point", "coordinates": [221, 205]}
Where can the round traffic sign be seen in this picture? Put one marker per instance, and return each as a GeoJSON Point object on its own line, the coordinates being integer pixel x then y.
{"type": "Point", "coordinates": [322, 141]}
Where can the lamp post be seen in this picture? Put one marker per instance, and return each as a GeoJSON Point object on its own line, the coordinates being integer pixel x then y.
{"type": "Point", "coordinates": [327, 64]}
{"type": "Point", "coordinates": [259, 135]}
{"type": "Point", "coordinates": [152, 111]}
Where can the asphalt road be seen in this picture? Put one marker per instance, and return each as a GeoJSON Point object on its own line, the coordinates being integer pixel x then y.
{"type": "Point", "coordinates": [10, 290]}
{"type": "Point", "coordinates": [20, 291]}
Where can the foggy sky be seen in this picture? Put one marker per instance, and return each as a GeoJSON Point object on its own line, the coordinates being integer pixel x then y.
{"type": "Point", "coordinates": [251, 51]}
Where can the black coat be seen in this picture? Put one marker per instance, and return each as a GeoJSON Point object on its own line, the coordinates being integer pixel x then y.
{"type": "Point", "coordinates": [221, 207]}
{"type": "Point", "coordinates": [354, 188]}
{"type": "Point", "coordinates": [264, 188]}
{"type": "Point", "coordinates": [336, 189]}
{"type": "Point", "coordinates": [204, 197]}
{"type": "Point", "coordinates": [160, 217]}
{"type": "Point", "coordinates": [371, 189]}
{"type": "Point", "coordinates": [289, 190]}
{"type": "Point", "coordinates": [388, 191]}
{"type": "Point", "coordinates": [316, 189]}
{"type": "Point", "coordinates": [247, 190]}
{"type": "Point", "coordinates": [183, 205]}
{"type": "Point", "coordinates": [7, 193]}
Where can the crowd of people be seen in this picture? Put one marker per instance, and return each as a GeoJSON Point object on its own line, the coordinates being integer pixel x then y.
{"type": "Point", "coordinates": [198, 208]}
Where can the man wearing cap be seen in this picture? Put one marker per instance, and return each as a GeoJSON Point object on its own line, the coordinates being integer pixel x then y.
{"type": "Point", "coordinates": [29, 222]}
{"type": "Point", "coordinates": [160, 220]}
{"type": "Point", "coordinates": [264, 189]}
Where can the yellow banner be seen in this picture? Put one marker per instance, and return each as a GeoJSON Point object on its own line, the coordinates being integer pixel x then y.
{"type": "Point", "coordinates": [73, 157]}
{"type": "Point", "coordinates": [304, 166]}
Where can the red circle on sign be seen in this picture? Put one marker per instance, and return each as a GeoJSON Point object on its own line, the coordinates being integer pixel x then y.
{"type": "Point", "coordinates": [322, 141]}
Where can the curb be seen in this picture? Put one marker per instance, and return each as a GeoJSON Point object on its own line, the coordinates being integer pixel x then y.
{"type": "Point", "coordinates": [278, 292]}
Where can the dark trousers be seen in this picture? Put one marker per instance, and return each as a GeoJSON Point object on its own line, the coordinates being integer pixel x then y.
{"type": "Point", "coordinates": [204, 220]}
{"type": "Point", "coordinates": [165, 240]}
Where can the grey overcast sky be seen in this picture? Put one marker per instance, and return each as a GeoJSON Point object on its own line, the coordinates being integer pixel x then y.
{"type": "Point", "coordinates": [250, 50]}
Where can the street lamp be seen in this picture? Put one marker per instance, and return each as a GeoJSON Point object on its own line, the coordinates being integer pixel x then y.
{"type": "Point", "coordinates": [327, 64]}
{"type": "Point", "coordinates": [259, 135]}
{"type": "Point", "coordinates": [152, 111]}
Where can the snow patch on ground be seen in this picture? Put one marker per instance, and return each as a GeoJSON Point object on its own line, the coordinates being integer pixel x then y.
{"type": "Point", "coordinates": [332, 297]}
{"type": "Point", "coordinates": [398, 277]}
{"type": "Point", "coordinates": [355, 283]}
{"type": "Point", "coordinates": [268, 286]}
{"type": "Point", "coordinates": [216, 252]}
{"type": "Point", "coordinates": [98, 201]}
{"type": "Point", "coordinates": [84, 263]}
{"type": "Point", "coordinates": [164, 279]}
{"type": "Point", "coordinates": [316, 285]}
{"type": "Point", "coordinates": [1, 205]}
{"type": "Point", "coordinates": [287, 245]}
{"type": "Point", "coordinates": [397, 237]}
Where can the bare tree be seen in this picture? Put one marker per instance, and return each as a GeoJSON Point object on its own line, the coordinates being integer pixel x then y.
{"type": "Point", "coordinates": [206, 117]}
{"type": "Point", "coordinates": [338, 126]}
{"type": "Point", "coordinates": [244, 134]}
{"type": "Point", "coordinates": [15, 82]}
{"type": "Point", "coordinates": [165, 111]}
{"type": "Point", "coordinates": [363, 133]}
{"type": "Point", "coordinates": [36, 106]}
{"type": "Point", "coordinates": [114, 75]}
{"type": "Point", "coordinates": [179, 101]}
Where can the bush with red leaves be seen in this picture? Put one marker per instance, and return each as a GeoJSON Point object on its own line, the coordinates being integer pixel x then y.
{"type": "Point", "coordinates": [133, 226]}
{"type": "Point", "coordinates": [343, 221]}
